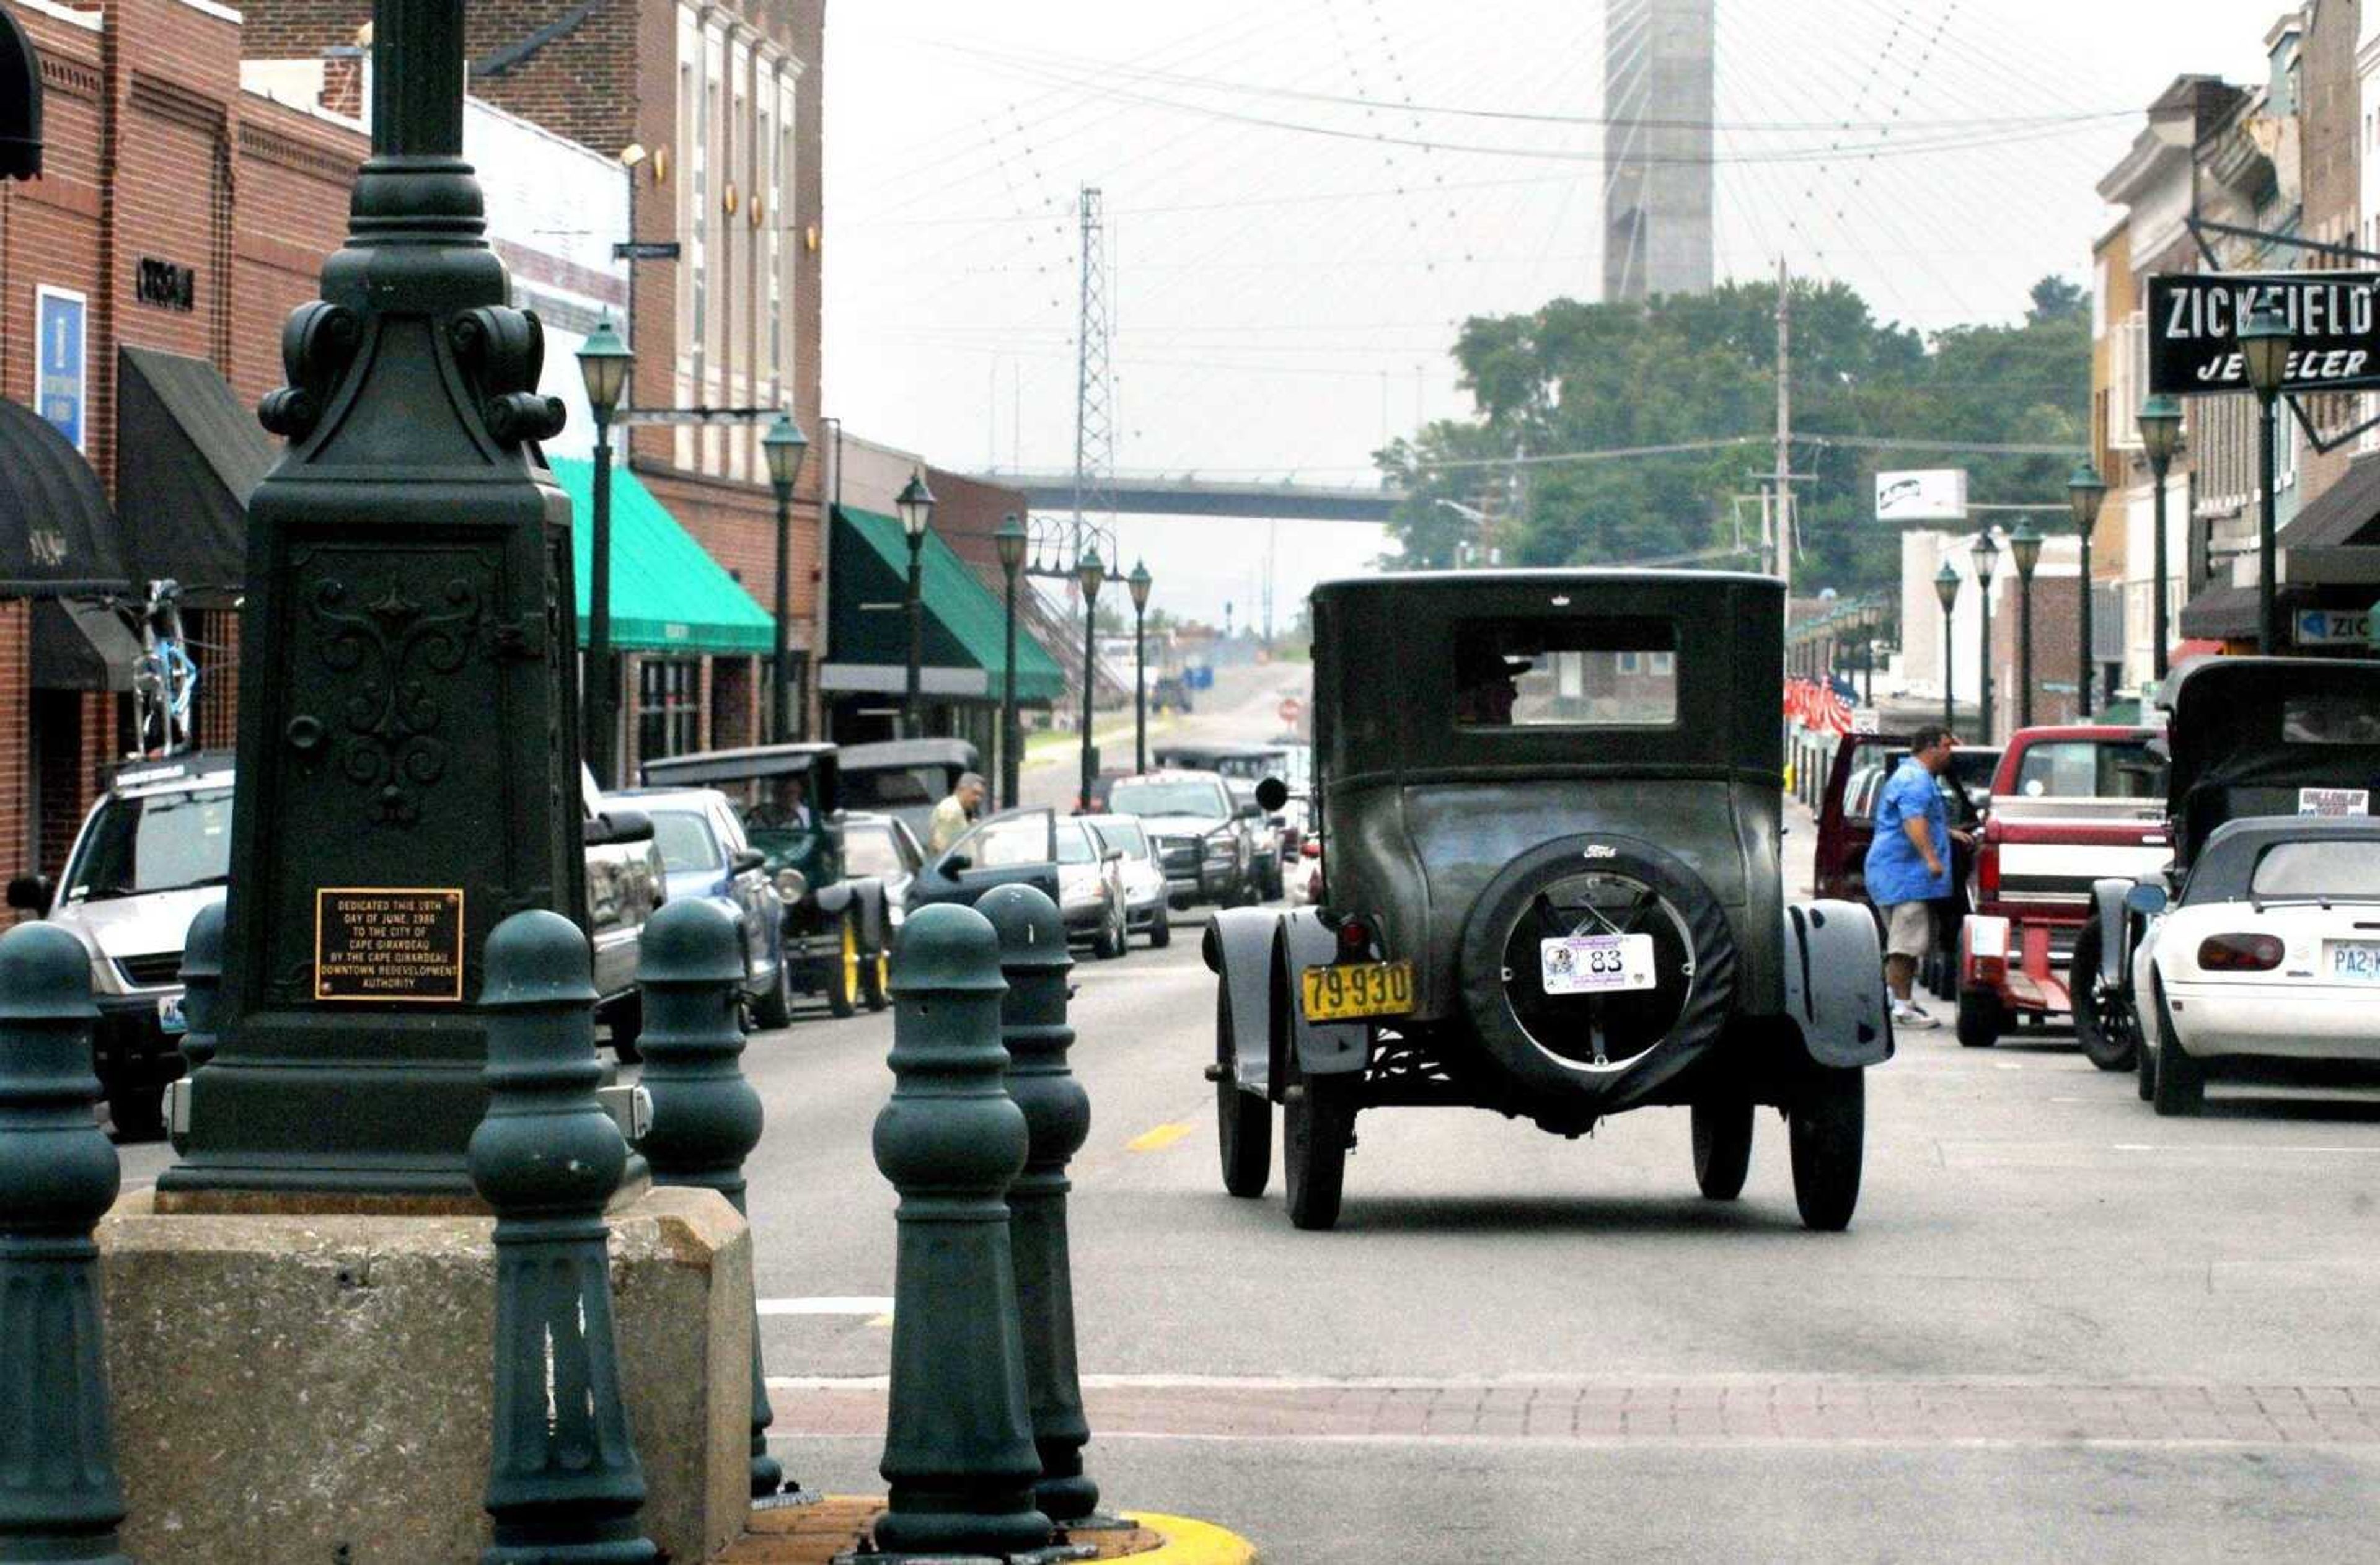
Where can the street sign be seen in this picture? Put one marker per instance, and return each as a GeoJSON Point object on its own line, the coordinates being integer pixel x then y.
{"type": "Point", "coordinates": [1935, 496]}
{"type": "Point", "coordinates": [1292, 708]}
{"type": "Point", "coordinates": [2334, 627]}
{"type": "Point", "coordinates": [1867, 719]}
{"type": "Point", "coordinates": [647, 250]}
{"type": "Point", "coordinates": [2195, 318]}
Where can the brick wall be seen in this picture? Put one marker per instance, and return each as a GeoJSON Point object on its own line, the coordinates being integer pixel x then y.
{"type": "Point", "coordinates": [2057, 620]}
{"type": "Point", "coordinates": [16, 816]}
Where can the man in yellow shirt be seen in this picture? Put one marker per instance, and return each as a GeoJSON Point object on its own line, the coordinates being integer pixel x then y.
{"type": "Point", "coordinates": [953, 814]}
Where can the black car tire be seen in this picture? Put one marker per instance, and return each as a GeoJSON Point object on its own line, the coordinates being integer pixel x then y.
{"type": "Point", "coordinates": [1828, 1127]}
{"type": "Point", "coordinates": [139, 1113]}
{"type": "Point", "coordinates": [773, 1007]}
{"type": "Point", "coordinates": [1723, 1148]}
{"type": "Point", "coordinates": [2145, 1060]}
{"type": "Point", "coordinates": [1161, 929]}
{"type": "Point", "coordinates": [876, 979]}
{"type": "Point", "coordinates": [627, 1024]}
{"type": "Point", "coordinates": [2106, 1041]}
{"type": "Point", "coordinates": [1981, 1018]}
{"type": "Point", "coordinates": [843, 971]}
{"type": "Point", "coordinates": [1243, 1119]}
{"type": "Point", "coordinates": [2180, 1088]}
{"type": "Point", "coordinates": [1272, 881]}
{"type": "Point", "coordinates": [1318, 1126]}
{"type": "Point", "coordinates": [1113, 934]}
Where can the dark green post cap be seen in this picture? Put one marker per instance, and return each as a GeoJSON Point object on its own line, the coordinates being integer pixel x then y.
{"type": "Point", "coordinates": [946, 948]}
{"type": "Point", "coordinates": [690, 943]}
{"type": "Point", "coordinates": [537, 959]}
{"type": "Point", "coordinates": [45, 976]}
{"type": "Point", "coordinates": [1032, 932]}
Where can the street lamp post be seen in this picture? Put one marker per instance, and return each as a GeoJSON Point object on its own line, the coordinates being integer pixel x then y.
{"type": "Point", "coordinates": [916, 503]}
{"type": "Point", "coordinates": [1011, 540]}
{"type": "Point", "coordinates": [2085, 491]}
{"type": "Point", "coordinates": [1986, 552]}
{"type": "Point", "coordinates": [1089, 573]}
{"type": "Point", "coordinates": [2264, 342]}
{"type": "Point", "coordinates": [2160, 439]}
{"type": "Point", "coordinates": [784, 447]}
{"type": "Point", "coordinates": [2024, 548]}
{"type": "Point", "coordinates": [603, 364]}
{"type": "Point", "coordinates": [1139, 581]}
{"type": "Point", "coordinates": [1946, 588]}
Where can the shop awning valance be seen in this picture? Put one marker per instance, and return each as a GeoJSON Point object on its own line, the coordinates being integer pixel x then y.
{"type": "Point", "coordinates": [188, 457]}
{"type": "Point", "coordinates": [20, 102]}
{"type": "Point", "coordinates": [965, 625]}
{"type": "Point", "coordinates": [57, 533]}
{"type": "Point", "coordinates": [667, 595]}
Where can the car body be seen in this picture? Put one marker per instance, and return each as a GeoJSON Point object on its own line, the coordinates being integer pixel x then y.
{"type": "Point", "coordinates": [1552, 886]}
{"type": "Point", "coordinates": [1241, 767]}
{"type": "Point", "coordinates": [1147, 910]}
{"type": "Point", "coordinates": [2071, 804]}
{"type": "Point", "coordinates": [882, 847]}
{"type": "Point", "coordinates": [905, 778]}
{"type": "Point", "coordinates": [1855, 780]}
{"type": "Point", "coordinates": [1015, 846]}
{"type": "Point", "coordinates": [837, 935]}
{"type": "Point", "coordinates": [155, 849]}
{"type": "Point", "coordinates": [2274, 765]}
{"type": "Point", "coordinates": [707, 857]}
{"type": "Point", "coordinates": [1204, 838]}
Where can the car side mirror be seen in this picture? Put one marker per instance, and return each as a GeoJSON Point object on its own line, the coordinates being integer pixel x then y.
{"type": "Point", "coordinates": [32, 893]}
{"type": "Point", "coordinates": [1114, 856]}
{"type": "Point", "coordinates": [1252, 810]}
{"type": "Point", "coordinates": [617, 826]}
{"type": "Point", "coordinates": [954, 864]}
{"type": "Point", "coordinates": [745, 860]}
{"type": "Point", "coordinates": [2146, 900]}
{"type": "Point", "coordinates": [1271, 794]}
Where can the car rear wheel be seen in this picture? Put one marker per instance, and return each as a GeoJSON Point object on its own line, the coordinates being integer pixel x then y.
{"type": "Point", "coordinates": [843, 982]}
{"type": "Point", "coordinates": [774, 1008]}
{"type": "Point", "coordinates": [1111, 941]}
{"type": "Point", "coordinates": [1318, 1126]}
{"type": "Point", "coordinates": [1828, 1132]}
{"type": "Point", "coordinates": [1723, 1148]}
{"type": "Point", "coordinates": [2099, 1019]}
{"type": "Point", "coordinates": [1243, 1119]}
{"type": "Point", "coordinates": [2145, 1060]}
{"type": "Point", "coordinates": [2180, 1088]}
{"type": "Point", "coordinates": [1981, 1017]}
{"type": "Point", "coordinates": [876, 980]}
{"type": "Point", "coordinates": [1161, 929]}
{"type": "Point", "coordinates": [627, 1024]}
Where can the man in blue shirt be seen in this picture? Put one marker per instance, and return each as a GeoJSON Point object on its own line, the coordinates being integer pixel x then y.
{"type": "Point", "coordinates": [1909, 866]}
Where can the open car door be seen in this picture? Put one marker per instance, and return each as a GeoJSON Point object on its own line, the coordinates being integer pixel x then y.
{"type": "Point", "coordinates": [1016, 848]}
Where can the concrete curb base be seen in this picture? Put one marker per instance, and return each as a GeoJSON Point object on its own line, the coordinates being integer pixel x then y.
{"type": "Point", "coordinates": [816, 1534]}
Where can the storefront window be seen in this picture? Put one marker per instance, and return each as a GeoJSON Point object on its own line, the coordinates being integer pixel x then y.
{"type": "Point", "coordinates": [669, 707]}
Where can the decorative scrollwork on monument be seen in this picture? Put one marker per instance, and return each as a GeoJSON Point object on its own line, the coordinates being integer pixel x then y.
{"type": "Point", "coordinates": [395, 650]}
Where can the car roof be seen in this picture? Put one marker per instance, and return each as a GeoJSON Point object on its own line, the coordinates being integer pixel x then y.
{"type": "Point", "coordinates": [1591, 577]}
{"type": "Point", "coordinates": [1237, 749]}
{"type": "Point", "coordinates": [895, 753]}
{"type": "Point", "coordinates": [2226, 866]}
{"type": "Point", "coordinates": [736, 766]}
{"type": "Point", "coordinates": [1172, 774]}
{"type": "Point", "coordinates": [197, 768]}
{"type": "Point", "coordinates": [651, 799]}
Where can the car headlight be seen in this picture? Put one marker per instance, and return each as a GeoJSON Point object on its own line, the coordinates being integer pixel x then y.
{"type": "Point", "coordinates": [790, 886]}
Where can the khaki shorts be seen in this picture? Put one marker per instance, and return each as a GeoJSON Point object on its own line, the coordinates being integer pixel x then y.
{"type": "Point", "coordinates": [1909, 929]}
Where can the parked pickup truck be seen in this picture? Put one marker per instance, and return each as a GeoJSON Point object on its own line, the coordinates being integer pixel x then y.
{"type": "Point", "coordinates": [1846, 826]}
{"type": "Point", "coordinates": [2070, 805]}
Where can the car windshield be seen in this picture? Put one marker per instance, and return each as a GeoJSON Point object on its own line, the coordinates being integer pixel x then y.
{"type": "Point", "coordinates": [2089, 769]}
{"type": "Point", "coordinates": [1124, 834]}
{"type": "Point", "coordinates": [1146, 796]}
{"type": "Point", "coordinates": [1565, 672]}
{"type": "Point", "coordinates": [869, 850]}
{"type": "Point", "coordinates": [162, 842]}
{"type": "Point", "coordinates": [686, 840]}
{"type": "Point", "coordinates": [2324, 871]}
{"type": "Point", "coordinates": [1001, 844]}
{"type": "Point", "coordinates": [1074, 843]}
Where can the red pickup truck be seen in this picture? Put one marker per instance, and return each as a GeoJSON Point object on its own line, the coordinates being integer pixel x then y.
{"type": "Point", "coordinates": [1847, 825]}
{"type": "Point", "coordinates": [2069, 806]}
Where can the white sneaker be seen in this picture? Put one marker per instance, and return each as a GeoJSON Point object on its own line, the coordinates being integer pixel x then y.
{"type": "Point", "coordinates": [1907, 1015]}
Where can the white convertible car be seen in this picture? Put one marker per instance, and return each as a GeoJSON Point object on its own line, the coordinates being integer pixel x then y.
{"type": "Point", "coordinates": [2271, 950]}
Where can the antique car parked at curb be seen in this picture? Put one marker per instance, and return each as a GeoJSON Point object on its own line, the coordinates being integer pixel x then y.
{"type": "Point", "coordinates": [1552, 888]}
{"type": "Point", "coordinates": [905, 778]}
{"type": "Point", "coordinates": [2262, 939]}
{"type": "Point", "coordinates": [708, 859]}
{"type": "Point", "coordinates": [838, 938]}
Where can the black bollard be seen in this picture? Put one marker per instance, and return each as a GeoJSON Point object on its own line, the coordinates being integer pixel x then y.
{"type": "Point", "coordinates": [706, 1118]}
{"type": "Point", "coordinates": [563, 1486]}
{"type": "Point", "coordinates": [202, 985]}
{"type": "Point", "coordinates": [958, 1441]}
{"type": "Point", "coordinates": [60, 1498]}
{"type": "Point", "coordinates": [1057, 1120]}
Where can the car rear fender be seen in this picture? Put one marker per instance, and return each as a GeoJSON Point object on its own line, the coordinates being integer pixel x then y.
{"type": "Point", "coordinates": [1834, 983]}
{"type": "Point", "coordinates": [1238, 950]}
{"type": "Point", "coordinates": [1331, 1048]}
{"type": "Point", "coordinates": [2108, 907]}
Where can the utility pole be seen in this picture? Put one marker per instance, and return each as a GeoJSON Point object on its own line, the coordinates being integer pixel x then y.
{"type": "Point", "coordinates": [1782, 564]}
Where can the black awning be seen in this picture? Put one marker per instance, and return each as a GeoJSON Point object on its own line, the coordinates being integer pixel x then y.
{"type": "Point", "coordinates": [83, 644]}
{"type": "Point", "coordinates": [187, 457]}
{"type": "Point", "coordinates": [57, 533]}
{"type": "Point", "coordinates": [2344, 513]}
{"type": "Point", "coordinates": [20, 103]}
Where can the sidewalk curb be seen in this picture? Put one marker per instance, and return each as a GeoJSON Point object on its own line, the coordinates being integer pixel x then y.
{"type": "Point", "coordinates": [1192, 1542]}
{"type": "Point", "coordinates": [822, 1529]}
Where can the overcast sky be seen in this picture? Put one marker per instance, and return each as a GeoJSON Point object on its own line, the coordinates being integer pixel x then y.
{"type": "Point", "coordinates": [1306, 197]}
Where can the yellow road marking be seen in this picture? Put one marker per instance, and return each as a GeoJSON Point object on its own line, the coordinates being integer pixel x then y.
{"type": "Point", "coordinates": [1158, 1140]}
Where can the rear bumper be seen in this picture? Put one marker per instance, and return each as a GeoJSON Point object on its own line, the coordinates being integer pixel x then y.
{"type": "Point", "coordinates": [2274, 1021]}
{"type": "Point", "coordinates": [131, 1047]}
{"type": "Point", "coordinates": [2025, 958]}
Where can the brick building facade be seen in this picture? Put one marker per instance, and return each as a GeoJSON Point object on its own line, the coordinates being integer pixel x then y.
{"type": "Point", "coordinates": [175, 212]}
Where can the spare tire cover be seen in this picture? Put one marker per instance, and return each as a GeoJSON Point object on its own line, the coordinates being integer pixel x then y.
{"type": "Point", "coordinates": [1616, 1046]}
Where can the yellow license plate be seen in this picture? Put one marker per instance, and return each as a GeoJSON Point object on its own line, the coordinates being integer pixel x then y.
{"type": "Point", "coordinates": [1351, 990]}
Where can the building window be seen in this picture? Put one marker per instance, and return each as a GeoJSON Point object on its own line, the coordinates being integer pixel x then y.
{"type": "Point", "coordinates": [669, 707]}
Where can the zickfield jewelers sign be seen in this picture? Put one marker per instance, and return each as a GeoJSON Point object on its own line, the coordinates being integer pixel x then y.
{"type": "Point", "coordinates": [2194, 318]}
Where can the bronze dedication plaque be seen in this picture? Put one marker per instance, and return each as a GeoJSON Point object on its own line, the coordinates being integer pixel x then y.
{"type": "Point", "coordinates": [388, 943]}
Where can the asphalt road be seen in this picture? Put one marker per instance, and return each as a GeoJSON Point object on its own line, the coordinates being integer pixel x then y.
{"type": "Point", "coordinates": [2059, 1327]}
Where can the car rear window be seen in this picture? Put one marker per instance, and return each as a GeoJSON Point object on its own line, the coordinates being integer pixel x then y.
{"type": "Point", "coordinates": [685, 840]}
{"type": "Point", "coordinates": [2089, 769]}
{"type": "Point", "coordinates": [1566, 673]}
{"type": "Point", "coordinates": [2347, 872]}
{"type": "Point", "coordinates": [2335, 718]}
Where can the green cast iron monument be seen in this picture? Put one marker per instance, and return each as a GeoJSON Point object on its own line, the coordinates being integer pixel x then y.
{"type": "Point", "coordinates": [408, 733]}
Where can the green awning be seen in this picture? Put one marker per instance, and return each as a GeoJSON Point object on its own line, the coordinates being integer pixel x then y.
{"type": "Point", "coordinates": [965, 625]}
{"type": "Point", "coordinates": [667, 595]}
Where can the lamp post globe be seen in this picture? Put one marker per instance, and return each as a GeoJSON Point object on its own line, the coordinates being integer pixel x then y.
{"type": "Point", "coordinates": [2086, 491]}
{"type": "Point", "coordinates": [1946, 588]}
{"type": "Point", "coordinates": [1010, 541]}
{"type": "Point", "coordinates": [916, 504]}
{"type": "Point", "coordinates": [1139, 581]}
{"type": "Point", "coordinates": [604, 365]}
{"type": "Point", "coordinates": [2160, 441]}
{"type": "Point", "coordinates": [2264, 342]}
{"type": "Point", "coordinates": [1986, 553]}
{"type": "Point", "coordinates": [783, 446]}
{"type": "Point", "coordinates": [1089, 573]}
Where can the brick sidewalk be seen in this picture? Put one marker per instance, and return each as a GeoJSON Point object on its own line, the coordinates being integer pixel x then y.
{"type": "Point", "coordinates": [1816, 1412]}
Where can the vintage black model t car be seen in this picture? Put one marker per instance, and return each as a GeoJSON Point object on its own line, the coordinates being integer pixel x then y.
{"type": "Point", "coordinates": [1550, 801]}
